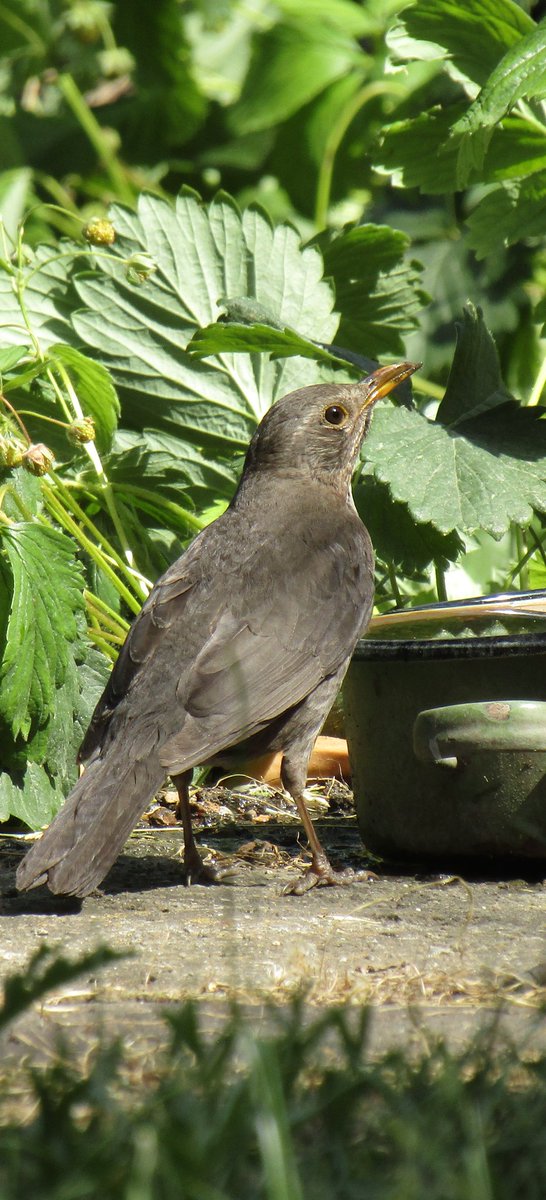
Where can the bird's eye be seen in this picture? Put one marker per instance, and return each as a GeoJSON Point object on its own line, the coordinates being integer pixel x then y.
{"type": "Point", "coordinates": [335, 414]}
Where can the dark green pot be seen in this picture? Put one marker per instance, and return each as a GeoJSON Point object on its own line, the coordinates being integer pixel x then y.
{"type": "Point", "coordinates": [446, 759]}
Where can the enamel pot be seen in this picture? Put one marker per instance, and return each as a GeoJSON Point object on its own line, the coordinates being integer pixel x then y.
{"type": "Point", "coordinates": [447, 741]}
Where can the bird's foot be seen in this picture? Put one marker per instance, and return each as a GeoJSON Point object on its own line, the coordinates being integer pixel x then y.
{"type": "Point", "coordinates": [197, 871]}
{"type": "Point", "coordinates": [321, 874]}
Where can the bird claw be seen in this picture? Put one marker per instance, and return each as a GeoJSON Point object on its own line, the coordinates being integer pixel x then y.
{"type": "Point", "coordinates": [197, 871]}
{"type": "Point", "coordinates": [322, 874]}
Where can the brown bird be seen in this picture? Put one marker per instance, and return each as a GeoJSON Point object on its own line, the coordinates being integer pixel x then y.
{"type": "Point", "coordinates": [241, 645]}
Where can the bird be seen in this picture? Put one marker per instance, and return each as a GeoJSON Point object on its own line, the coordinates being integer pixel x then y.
{"type": "Point", "coordinates": [241, 645]}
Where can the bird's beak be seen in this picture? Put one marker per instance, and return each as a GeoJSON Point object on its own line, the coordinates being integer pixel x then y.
{"type": "Point", "coordinates": [382, 381]}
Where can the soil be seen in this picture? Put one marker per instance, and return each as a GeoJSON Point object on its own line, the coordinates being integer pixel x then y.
{"type": "Point", "coordinates": [449, 946]}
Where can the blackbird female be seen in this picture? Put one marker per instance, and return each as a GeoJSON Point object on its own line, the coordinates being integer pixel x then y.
{"type": "Point", "coordinates": [241, 645]}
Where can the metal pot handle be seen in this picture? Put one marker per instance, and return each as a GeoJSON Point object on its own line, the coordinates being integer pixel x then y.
{"type": "Point", "coordinates": [456, 731]}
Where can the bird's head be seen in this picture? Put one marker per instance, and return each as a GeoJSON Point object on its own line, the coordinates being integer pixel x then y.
{"type": "Point", "coordinates": [318, 430]}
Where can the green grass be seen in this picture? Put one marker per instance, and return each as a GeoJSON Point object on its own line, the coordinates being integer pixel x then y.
{"type": "Point", "coordinates": [304, 1112]}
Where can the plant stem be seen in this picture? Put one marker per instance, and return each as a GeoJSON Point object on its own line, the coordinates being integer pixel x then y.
{"type": "Point", "coordinates": [66, 521]}
{"type": "Point", "coordinates": [441, 590]}
{"type": "Point", "coordinates": [427, 387]}
{"type": "Point", "coordinates": [95, 636]}
{"type": "Point", "coordinates": [345, 118]}
{"type": "Point", "coordinates": [105, 545]}
{"type": "Point", "coordinates": [393, 580]}
{"type": "Point", "coordinates": [186, 518]}
{"type": "Point", "coordinates": [95, 133]}
{"type": "Point", "coordinates": [107, 615]}
{"type": "Point", "coordinates": [105, 485]}
{"type": "Point", "coordinates": [538, 386]}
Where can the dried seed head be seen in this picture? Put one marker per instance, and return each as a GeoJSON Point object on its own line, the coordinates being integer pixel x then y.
{"type": "Point", "coordinates": [38, 459]}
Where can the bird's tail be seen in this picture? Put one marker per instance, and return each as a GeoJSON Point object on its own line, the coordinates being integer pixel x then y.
{"type": "Point", "coordinates": [83, 841]}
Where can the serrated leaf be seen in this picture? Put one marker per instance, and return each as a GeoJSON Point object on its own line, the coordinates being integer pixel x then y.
{"type": "Point", "coordinates": [508, 214]}
{"type": "Point", "coordinates": [481, 475]}
{"type": "Point", "coordinates": [166, 465]}
{"type": "Point", "coordinates": [520, 73]}
{"type": "Point", "coordinates": [378, 292]}
{"type": "Point", "coordinates": [475, 383]}
{"type": "Point", "coordinates": [23, 494]}
{"type": "Point", "coordinates": [47, 593]}
{"type": "Point", "coordinates": [417, 154]}
{"type": "Point", "coordinates": [471, 37]}
{"type": "Point", "coordinates": [202, 254]}
{"type": "Point", "coordinates": [291, 63]}
{"type": "Point", "coordinates": [396, 537]}
{"type": "Point", "coordinates": [94, 389]}
{"type": "Point", "coordinates": [47, 298]}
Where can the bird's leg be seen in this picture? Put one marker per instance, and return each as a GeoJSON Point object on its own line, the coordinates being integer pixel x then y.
{"type": "Point", "coordinates": [321, 871]}
{"type": "Point", "coordinates": [195, 869]}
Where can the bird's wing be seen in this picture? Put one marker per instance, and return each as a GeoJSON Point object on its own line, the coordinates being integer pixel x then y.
{"type": "Point", "coordinates": [165, 605]}
{"type": "Point", "coordinates": [255, 667]}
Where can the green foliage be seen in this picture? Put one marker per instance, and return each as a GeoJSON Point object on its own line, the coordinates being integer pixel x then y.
{"type": "Point", "coordinates": [309, 1106]}
{"type": "Point", "coordinates": [373, 178]}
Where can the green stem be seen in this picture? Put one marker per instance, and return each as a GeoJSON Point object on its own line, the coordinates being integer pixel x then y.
{"type": "Point", "coordinates": [187, 519]}
{"type": "Point", "coordinates": [20, 284]}
{"type": "Point", "coordinates": [539, 385]}
{"type": "Point", "coordinates": [22, 27]}
{"type": "Point", "coordinates": [427, 388]}
{"type": "Point", "coordinates": [107, 615]}
{"type": "Point", "coordinates": [441, 590]}
{"type": "Point", "coordinates": [531, 118]}
{"type": "Point", "coordinates": [95, 133]}
{"type": "Point", "coordinates": [105, 545]}
{"type": "Point", "coordinates": [335, 138]}
{"type": "Point", "coordinates": [63, 517]}
{"type": "Point", "coordinates": [78, 252]}
{"type": "Point", "coordinates": [523, 558]}
{"type": "Point", "coordinates": [105, 485]}
{"type": "Point", "coordinates": [95, 636]}
{"type": "Point", "coordinates": [393, 580]}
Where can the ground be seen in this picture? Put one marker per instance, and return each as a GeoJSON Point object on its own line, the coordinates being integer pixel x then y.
{"type": "Point", "coordinates": [426, 946]}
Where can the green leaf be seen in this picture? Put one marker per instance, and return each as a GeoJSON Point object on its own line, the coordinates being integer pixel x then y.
{"type": "Point", "coordinates": [475, 384]}
{"type": "Point", "coordinates": [470, 37]}
{"type": "Point", "coordinates": [232, 338]}
{"type": "Point", "coordinates": [397, 539]}
{"type": "Point", "coordinates": [202, 254]}
{"type": "Point", "coordinates": [94, 389]}
{"type": "Point", "coordinates": [51, 676]}
{"type": "Point", "coordinates": [484, 474]}
{"type": "Point", "coordinates": [342, 15]}
{"type": "Point", "coordinates": [166, 466]}
{"type": "Point", "coordinates": [291, 64]}
{"type": "Point", "coordinates": [33, 797]}
{"type": "Point", "coordinates": [482, 463]}
{"type": "Point", "coordinates": [47, 593]}
{"type": "Point", "coordinates": [378, 292]}
{"type": "Point", "coordinates": [47, 298]}
{"type": "Point", "coordinates": [415, 152]}
{"type": "Point", "coordinates": [508, 214]}
{"type": "Point", "coordinates": [11, 356]}
{"type": "Point", "coordinates": [520, 73]}
{"type": "Point", "coordinates": [14, 189]}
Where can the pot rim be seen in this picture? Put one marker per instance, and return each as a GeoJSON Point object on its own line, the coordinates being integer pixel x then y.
{"type": "Point", "coordinates": [500, 646]}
